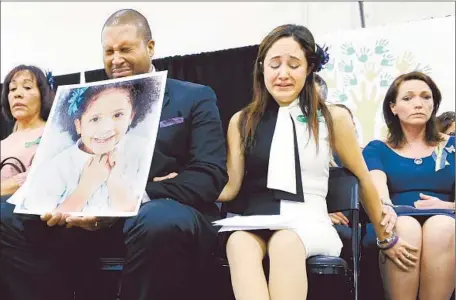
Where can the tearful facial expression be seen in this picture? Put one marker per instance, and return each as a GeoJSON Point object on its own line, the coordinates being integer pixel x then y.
{"type": "Point", "coordinates": [285, 70]}
{"type": "Point", "coordinates": [125, 52]}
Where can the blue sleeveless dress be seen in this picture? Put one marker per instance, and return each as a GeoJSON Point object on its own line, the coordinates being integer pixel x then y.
{"type": "Point", "coordinates": [408, 177]}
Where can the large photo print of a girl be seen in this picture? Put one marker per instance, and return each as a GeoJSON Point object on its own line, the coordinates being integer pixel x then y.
{"type": "Point", "coordinates": [96, 150]}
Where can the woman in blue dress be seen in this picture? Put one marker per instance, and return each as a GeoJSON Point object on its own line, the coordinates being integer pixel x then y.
{"type": "Point", "coordinates": [414, 171]}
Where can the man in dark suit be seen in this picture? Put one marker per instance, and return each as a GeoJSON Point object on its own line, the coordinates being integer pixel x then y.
{"type": "Point", "coordinates": [171, 237]}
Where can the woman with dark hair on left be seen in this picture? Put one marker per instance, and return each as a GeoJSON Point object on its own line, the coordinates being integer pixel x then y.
{"type": "Point", "coordinates": [26, 100]}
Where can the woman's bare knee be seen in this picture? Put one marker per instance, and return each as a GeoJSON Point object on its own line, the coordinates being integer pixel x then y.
{"type": "Point", "coordinates": [397, 283]}
{"type": "Point", "coordinates": [410, 230]}
{"type": "Point", "coordinates": [288, 275]}
{"type": "Point", "coordinates": [244, 243]}
{"type": "Point", "coordinates": [438, 232]}
{"type": "Point", "coordinates": [283, 241]}
{"type": "Point", "coordinates": [437, 265]}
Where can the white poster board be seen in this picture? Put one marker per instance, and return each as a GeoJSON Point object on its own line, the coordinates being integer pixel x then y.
{"type": "Point", "coordinates": [96, 150]}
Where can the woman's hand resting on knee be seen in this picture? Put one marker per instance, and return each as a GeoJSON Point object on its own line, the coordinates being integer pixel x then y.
{"type": "Point", "coordinates": [401, 253]}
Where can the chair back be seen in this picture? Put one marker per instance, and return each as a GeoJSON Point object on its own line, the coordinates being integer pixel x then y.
{"type": "Point", "coordinates": [343, 194]}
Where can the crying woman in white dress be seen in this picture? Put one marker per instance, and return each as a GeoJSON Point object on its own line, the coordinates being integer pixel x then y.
{"type": "Point", "coordinates": [279, 149]}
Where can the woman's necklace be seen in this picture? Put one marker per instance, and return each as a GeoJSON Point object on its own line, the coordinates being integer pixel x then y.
{"type": "Point", "coordinates": [417, 160]}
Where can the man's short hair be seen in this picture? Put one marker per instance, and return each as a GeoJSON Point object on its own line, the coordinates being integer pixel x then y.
{"type": "Point", "coordinates": [322, 84]}
{"type": "Point", "coordinates": [131, 17]}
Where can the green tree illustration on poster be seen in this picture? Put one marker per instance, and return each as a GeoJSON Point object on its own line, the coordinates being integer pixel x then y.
{"type": "Point", "coordinates": [360, 75]}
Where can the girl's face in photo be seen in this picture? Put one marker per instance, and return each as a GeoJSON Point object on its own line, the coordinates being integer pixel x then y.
{"type": "Point", "coordinates": [105, 121]}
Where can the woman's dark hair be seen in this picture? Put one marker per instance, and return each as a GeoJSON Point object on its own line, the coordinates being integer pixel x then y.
{"type": "Point", "coordinates": [78, 100]}
{"type": "Point", "coordinates": [310, 101]}
{"type": "Point", "coordinates": [395, 134]}
{"type": "Point", "coordinates": [445, 120]}
{"type": "Point", "coordinates": [46, 93]}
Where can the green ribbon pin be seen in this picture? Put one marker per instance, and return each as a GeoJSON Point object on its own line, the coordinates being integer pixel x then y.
{"type": "Point", "coordinates": [303, 119]}
{"type": "Point", "coordinates": [35, 142]}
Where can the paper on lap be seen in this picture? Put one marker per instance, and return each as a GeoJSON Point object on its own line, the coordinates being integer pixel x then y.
{"type": "Point", "coordinates": [254, 223]}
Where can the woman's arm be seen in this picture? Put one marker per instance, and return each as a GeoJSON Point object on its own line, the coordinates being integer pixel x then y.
{"type": "Point", "coordinates": [388, 212]}
{"type": "Point", "coordinates": [235, 161]}
{"type": "Point", "coordinates": [9, 186]}
{"type": "Point", "coordinates": [380, 182]}
{"type": "Point", "coordinates": [349, 151]}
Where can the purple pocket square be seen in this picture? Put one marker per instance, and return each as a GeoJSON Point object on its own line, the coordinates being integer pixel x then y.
{"type": "Point", "coordinates": [172, 121]}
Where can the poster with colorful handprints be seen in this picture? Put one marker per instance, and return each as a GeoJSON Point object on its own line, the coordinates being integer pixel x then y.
{"type": "Point", "coordinates": [363, 63]}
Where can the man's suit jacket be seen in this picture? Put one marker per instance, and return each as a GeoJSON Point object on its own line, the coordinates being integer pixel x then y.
{"type": "Point", "coordinates": [190, 142]}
